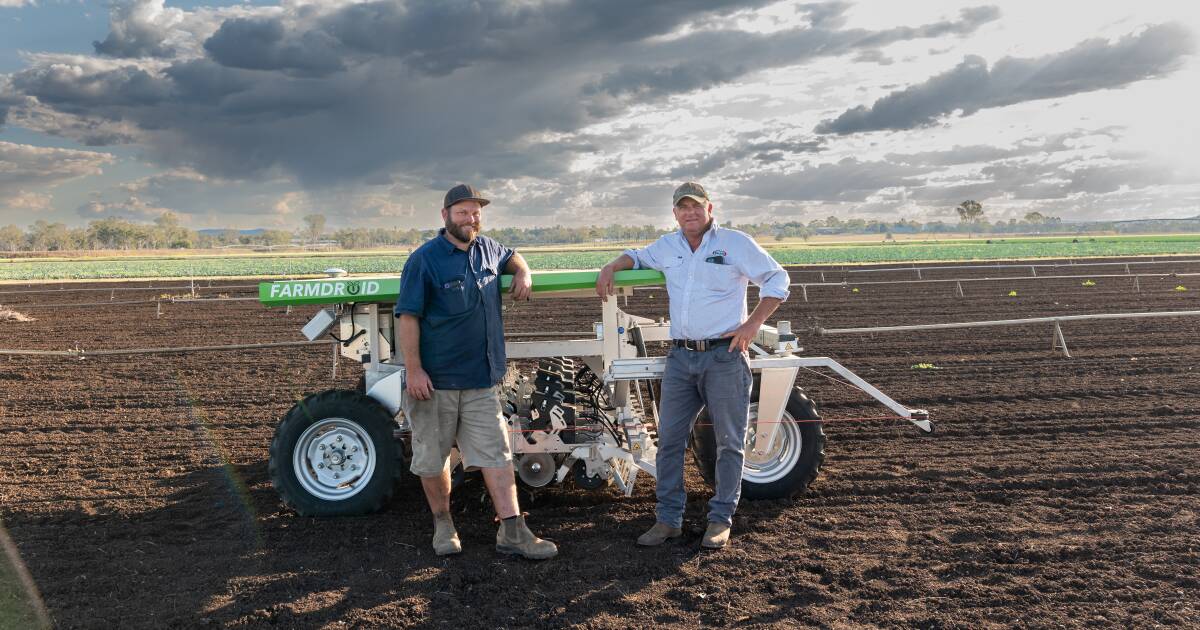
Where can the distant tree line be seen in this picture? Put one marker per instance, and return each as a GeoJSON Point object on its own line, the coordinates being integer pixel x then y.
{"type": "Point", "coordinates": [165, 232]}
{"type": "Point", "coordinates": [115, 233]}
{"type": "Point", "coordinates": [971, 221]}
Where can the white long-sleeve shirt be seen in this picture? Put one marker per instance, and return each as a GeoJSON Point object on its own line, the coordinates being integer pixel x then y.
{"type": "Point", "coordinates": [708, 299]}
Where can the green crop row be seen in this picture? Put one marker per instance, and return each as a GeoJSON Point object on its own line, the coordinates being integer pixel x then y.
{"type": "Point", "coordinates": [283, 266]}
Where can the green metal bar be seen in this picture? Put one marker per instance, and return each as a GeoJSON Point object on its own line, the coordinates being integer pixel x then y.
{"type": "Point", "coordinates": [387, 288]}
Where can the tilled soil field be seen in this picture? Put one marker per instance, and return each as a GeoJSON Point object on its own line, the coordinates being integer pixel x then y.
{"type": "Point", "coordinates": [1055, 492]}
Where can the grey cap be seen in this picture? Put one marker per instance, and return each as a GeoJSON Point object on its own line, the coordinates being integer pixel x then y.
{"type": "Point", "coordinates": [463, 192]}
{"type": "Point", "coordinates": [693, 190]}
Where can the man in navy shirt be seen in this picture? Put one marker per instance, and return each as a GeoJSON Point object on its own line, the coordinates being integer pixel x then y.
{"type": "Point", "coordinates": [452, 338]}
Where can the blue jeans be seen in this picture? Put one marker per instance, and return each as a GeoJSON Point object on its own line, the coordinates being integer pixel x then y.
{"type": "Point", "coordinates": [719, 380]}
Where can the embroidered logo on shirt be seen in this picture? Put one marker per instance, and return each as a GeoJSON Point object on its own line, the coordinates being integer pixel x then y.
{"type": "Point", "coordinates": [718, 257]}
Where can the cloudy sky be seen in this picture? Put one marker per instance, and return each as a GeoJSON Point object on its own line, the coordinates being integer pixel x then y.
{"type": "Point", "coordinates": [253, 114]}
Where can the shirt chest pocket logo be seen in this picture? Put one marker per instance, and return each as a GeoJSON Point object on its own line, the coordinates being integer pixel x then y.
{"type": "Point", "coordinates": [452, 295]}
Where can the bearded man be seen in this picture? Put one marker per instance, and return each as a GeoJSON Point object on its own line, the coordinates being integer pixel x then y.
{"type": "Point", "coordinates": [452, 338]}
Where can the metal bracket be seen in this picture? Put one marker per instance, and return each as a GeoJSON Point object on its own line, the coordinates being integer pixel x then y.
{"type": "Point", "coordinates": [1059, 341]}
{"type": "Point", "coordinates": [775, 386]}
{"type": "Point", "coordinates": [636, 369]}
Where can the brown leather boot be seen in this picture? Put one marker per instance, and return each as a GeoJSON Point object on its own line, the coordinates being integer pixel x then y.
{"type": "Point", "coordinates": [445, 537]}
{"type": "Point", "coordinates": [716, 536]}
{"type": "Point", "coordinates": [659, 534]}
{"type": "Point", "coordinates": [515, 538]}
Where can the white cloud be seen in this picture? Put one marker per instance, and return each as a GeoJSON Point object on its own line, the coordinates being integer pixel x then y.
{"type": "Point", "coordinates": [23, 166]}
{"type": "Point", "coordinates": [133, 208]}
{"type": "Point", "coordinates": [147, 28]}
{"type": "Point", "coordinates": [1094, 64]}
{"type": "Point", "coordinates": [27, 203]}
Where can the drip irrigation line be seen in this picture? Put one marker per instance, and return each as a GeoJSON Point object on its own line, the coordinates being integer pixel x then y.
{"type": "Point", "coordinates": [82, 289]}
{"type": "Point", "coordinates": [79, 353]}
{"type": "Point", "coordinates": [1033, 362]}
{"type": "Point", "coordinates": [82, 304]}
{"type": "Point", "coordinates": [1004, 278]}
{"type": "Point", "coordinates": [1008, 322]}
{"type": "Point", "coordinates": [934, 266]}
{"type": "Point", "coordinates": [595, 428]}
{"type": "Point", "coordinates": [216, 299]}
{"type": "Point", "coordinates": [172, 300]}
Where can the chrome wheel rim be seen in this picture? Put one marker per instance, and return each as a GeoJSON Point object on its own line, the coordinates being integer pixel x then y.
{"type": "Point", "coordinates": [780, 457]}
{"type": "Point", "coordinates": [334, 459]}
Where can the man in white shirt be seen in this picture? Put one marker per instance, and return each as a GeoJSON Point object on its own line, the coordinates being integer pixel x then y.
{"type": "Point", "coordinates": [707, 270]}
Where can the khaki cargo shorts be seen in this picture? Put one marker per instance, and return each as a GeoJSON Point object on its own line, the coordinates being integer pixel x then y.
{"type": "Point", "coordinates": [471, 417]}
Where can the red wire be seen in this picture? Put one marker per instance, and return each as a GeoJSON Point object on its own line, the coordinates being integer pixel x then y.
{"type": "Point", "coordinates": [709, 424]}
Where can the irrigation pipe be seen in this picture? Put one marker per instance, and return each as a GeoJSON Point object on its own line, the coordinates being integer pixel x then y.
{"type": "Point", "coordinates": [1006, 322]}
{"type": "Point", "coordinates": [1058, 342]}
{"type": "Point", "coordinates": [1066, 277]}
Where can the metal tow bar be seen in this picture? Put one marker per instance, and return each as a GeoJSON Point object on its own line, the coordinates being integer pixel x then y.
{"type": "Point", "coordinates": [785, 367]}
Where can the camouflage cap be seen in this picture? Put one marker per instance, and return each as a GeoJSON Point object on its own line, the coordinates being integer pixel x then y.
{"type": "Point", "coordinates": [463, 192]}
{"type": "Point", "coordinates": [692, 190]}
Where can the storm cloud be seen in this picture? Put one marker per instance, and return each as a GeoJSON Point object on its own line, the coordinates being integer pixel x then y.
{"type": "Point", "coordinates": [356, 92]}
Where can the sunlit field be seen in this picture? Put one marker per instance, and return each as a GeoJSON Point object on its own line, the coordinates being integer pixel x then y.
{"type": "Point", "coordinates": [585, 257]}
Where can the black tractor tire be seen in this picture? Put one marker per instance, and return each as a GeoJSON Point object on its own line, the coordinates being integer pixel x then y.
{"type": "Point", "coordinates": [365, 425]}
{"type": "Point", "coordinates": [802, 422]}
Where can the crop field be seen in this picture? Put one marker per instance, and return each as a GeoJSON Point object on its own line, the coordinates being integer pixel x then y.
{"type": "Point", "coordinates": [1055, 492]}
{"type": "Point", "coordinates": [184, 266]}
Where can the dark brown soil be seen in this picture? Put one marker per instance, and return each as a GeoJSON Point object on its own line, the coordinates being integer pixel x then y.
{"type": "Point", "coordinates": [1055, 492]}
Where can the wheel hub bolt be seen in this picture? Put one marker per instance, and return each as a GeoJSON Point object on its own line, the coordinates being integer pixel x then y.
{"type": "Point", "coordinates": [353, 466]}
{"type": "Point", "coordinates": [336, 476]}
{"type": "Point", "coordinates": [320, 465]}
{"type": "Point", "coordinates": [339, 438]}
{"type": "Point", "coordinates": [322, 447]}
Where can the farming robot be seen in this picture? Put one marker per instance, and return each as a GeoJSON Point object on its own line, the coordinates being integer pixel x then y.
{"type": "Point", "coordinates": [588, 412]}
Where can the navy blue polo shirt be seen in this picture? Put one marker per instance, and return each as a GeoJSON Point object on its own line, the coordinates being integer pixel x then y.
{"type": "Point", "coordinates": [456, 295]}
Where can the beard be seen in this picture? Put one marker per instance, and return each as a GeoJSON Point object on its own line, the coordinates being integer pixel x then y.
{"type": "Point", "coordinates": [465, 233]}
